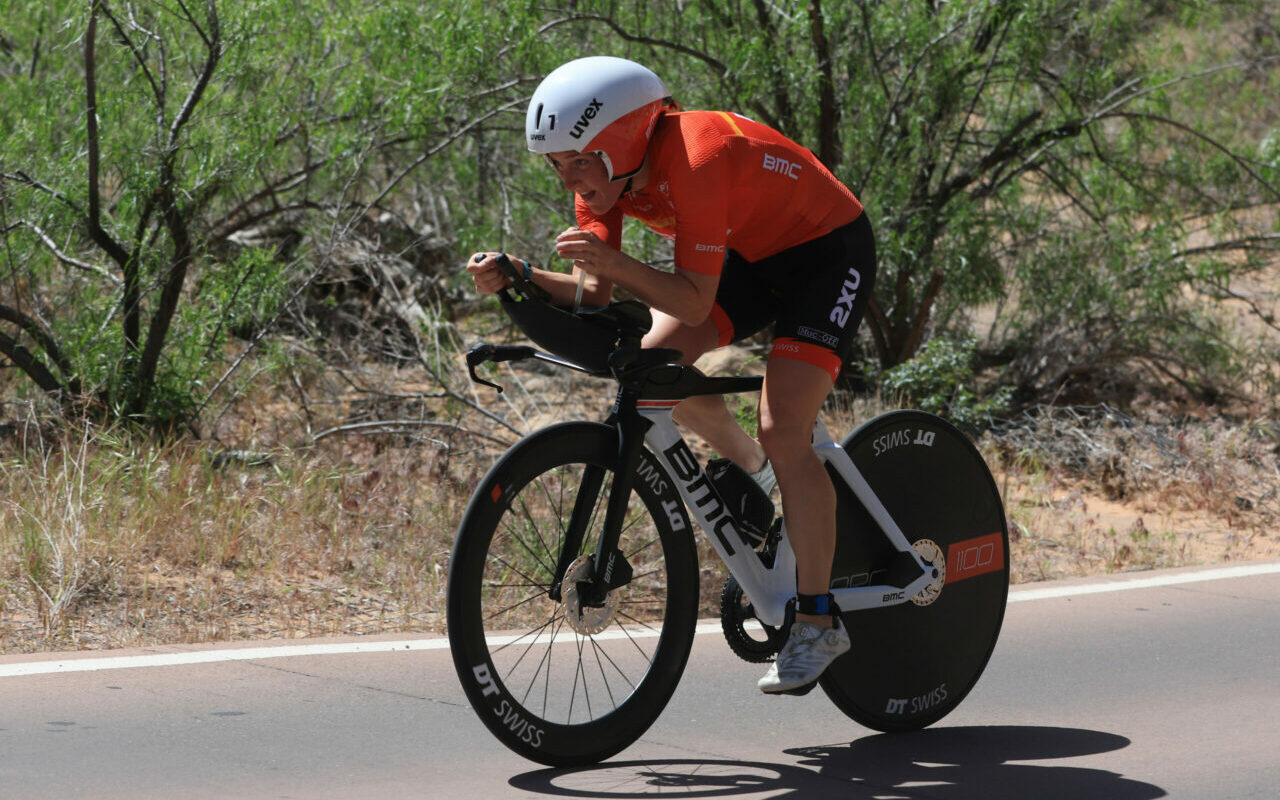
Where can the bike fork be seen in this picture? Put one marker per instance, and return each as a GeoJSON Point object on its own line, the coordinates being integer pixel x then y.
{"type": "Point", "coordinates": [610, 568]}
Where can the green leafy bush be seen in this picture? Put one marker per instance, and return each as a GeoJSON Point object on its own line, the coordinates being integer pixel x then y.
{"type": "Point", "coordinates": [941, 379]}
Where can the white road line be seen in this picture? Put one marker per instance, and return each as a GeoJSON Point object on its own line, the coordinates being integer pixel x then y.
{"type": "Point", "coordinates": [1151, 582]}
{"type": "Point", "coordinates": [1016, 595]}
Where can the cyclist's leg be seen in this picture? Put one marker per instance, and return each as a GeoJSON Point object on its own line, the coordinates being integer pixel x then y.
{"type": "Point", "coordinates": [794, 392]}
{"type": "Point", "coordinates": [815, 328]}
{"type": "Point", "coordinates": [706, 415]}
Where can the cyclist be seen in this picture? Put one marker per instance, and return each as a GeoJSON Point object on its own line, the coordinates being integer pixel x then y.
{"type": "Point", "coordinates": [763, 233]}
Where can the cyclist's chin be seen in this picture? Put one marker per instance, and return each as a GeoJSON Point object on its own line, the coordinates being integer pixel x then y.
{"type": "Point", "coordinates": [600, 202]}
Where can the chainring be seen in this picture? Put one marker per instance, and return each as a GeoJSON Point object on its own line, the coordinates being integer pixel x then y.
{"type": "Point", "coordinates": [757, 646]}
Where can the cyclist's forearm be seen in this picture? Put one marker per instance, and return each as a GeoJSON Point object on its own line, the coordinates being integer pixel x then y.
{"type": "Point", "coordinates": [563, 287]}
{"type": "Point", "coordinates": [687, 296]}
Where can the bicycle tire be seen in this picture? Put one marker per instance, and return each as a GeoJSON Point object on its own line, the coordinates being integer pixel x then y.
{"type": "Point", "coordinates": [549, 691]}
{"type": "Point", "coordinates": [912, 664]}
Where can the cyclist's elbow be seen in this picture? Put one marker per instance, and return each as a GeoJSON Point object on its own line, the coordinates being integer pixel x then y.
{"type": "Point", "coordinates": [693, 305]}
{"type": "Point", "coordinates": [693, 316]}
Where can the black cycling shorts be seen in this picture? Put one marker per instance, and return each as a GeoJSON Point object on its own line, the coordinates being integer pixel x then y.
{"type": "Point", "coordinates": [815, 294]}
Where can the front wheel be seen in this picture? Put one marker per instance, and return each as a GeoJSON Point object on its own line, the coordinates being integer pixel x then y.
{"type": "Point", "coordinates": [911, 664]}
{"type": "Point", "coordinates": [560, 681]}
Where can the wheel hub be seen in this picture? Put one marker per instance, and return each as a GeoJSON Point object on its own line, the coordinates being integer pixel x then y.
{"type": "Point", "coordinates": [586, 620]}
{"type": "Point", "coordinates": [931, 554]}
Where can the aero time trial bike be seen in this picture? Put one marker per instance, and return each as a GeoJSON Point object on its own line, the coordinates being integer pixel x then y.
{"type": "Point", "coordinates": [573, 581]}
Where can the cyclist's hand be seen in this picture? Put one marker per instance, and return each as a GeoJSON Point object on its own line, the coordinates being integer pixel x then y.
{"type": "Point", "coordinates": [586, 250]}
{"type": "Point", "coordinates": [484, 271]}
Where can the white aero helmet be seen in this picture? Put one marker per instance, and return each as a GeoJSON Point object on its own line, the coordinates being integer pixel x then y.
{"type": "Point", "coordinates": [598, 104]}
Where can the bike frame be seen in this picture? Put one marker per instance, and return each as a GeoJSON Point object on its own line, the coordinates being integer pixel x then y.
{"type": "Point", "coordinates": [771, 587]}
{"type": "Point", "coordinates": [650, 387]}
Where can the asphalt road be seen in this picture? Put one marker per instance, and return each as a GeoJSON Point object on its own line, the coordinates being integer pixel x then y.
{"type": "Point", "coordinates": [1163, 688]}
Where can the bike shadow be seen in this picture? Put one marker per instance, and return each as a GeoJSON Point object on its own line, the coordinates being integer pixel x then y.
{"type": "Point", "coordinates": [936, 763]}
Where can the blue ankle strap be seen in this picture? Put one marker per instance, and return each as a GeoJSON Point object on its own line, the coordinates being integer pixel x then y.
{"type": "Point", "coordinates": [816, 604]}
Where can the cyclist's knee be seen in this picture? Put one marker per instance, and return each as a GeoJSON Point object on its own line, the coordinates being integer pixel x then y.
{"type": "Point", "coordinates": [784, 441]}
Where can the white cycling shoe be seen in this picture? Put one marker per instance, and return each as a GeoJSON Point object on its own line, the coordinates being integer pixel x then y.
{"type": "Point", "coordinates": [765, 478]}
{"type": "Point", "coordinates": [808, 651]}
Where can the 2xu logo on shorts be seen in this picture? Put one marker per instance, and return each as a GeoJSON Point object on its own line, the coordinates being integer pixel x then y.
{"type": "Point", "coordinates": [848, 294]}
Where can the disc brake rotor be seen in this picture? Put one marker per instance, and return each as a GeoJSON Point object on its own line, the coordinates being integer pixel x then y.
{"type": "Point", "coordinates": [929, 551]}
{"type": "Point", "coordinates": [586, 620]}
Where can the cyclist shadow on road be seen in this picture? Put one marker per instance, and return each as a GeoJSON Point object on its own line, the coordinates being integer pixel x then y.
{"type": "Point", "coordinates": [994, 763]}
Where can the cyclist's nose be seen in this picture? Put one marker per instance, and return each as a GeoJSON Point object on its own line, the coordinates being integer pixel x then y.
{"type": "Point", "coordinates": [572, 180]}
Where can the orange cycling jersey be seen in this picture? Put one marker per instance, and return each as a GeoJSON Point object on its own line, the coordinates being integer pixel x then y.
{"type": "Point", "coordinates": [718, 182]}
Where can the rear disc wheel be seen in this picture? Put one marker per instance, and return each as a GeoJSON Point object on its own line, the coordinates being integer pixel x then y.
{"type": "Point", "coordinates": [912, 663]}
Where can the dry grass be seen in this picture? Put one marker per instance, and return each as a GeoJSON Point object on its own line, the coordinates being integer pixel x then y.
{"type": "Point", "coordinates": [109, 540]}
{"type": "Point", "coordinates": [1092, 491]}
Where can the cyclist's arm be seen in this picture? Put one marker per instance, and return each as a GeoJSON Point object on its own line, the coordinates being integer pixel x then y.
{"type": "Point", "coordinates": [687, 296]}
{"type": "Point", "coordinates": [563, 287]}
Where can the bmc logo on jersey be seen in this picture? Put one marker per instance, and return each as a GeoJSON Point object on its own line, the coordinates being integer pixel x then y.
{"type": "Point", "coordinates": [708, 248]}
{"type": "Point", "coordinates": [782, 166]}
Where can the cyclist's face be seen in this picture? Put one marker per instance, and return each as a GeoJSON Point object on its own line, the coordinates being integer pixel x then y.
{"type": "Point", "coordinates": [585, 175]}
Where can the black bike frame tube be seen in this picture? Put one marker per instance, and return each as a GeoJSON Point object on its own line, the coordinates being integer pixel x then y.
{"type": "Point", "coordinates": [631, 429]}
{"type": "Point", "coordinates": [583, 507]}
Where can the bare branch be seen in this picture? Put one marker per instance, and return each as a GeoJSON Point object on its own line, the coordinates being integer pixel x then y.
{"type": "Point", "coordinates": [137, 56]}
{"type": "Point", "coordinates": [213, 45]}
{"type": "Point", "coordinates": [96, 231]}
{"type": "Point", "coordinates": [175, 219]}
{"type": "Point", "coordinates": [27, 180]}
{"type": "Point", "coordinates": [716, 64]}
{"type": "Point", "coordinates": [402, 426]}
{"type": "Point", "coordinates": [448, 139]}
{"type": "Point", "coordinates": [25, 360]}
{"type": "Point", "coordinates": [242, 216]}
{"type": "Point", "coordinates": [66, 259]}
{"type": "Point", "coordinates": [828, 131]}
{"type": "Point", "coordinates": [1240, 161]}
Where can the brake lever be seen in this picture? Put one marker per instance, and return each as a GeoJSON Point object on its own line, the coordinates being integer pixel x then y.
{"type": "Point", "coordinates": [475, 357]}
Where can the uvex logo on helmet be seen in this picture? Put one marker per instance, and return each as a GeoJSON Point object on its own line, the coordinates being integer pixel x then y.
{"type": "Point", "coordinates": [584, 121]}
